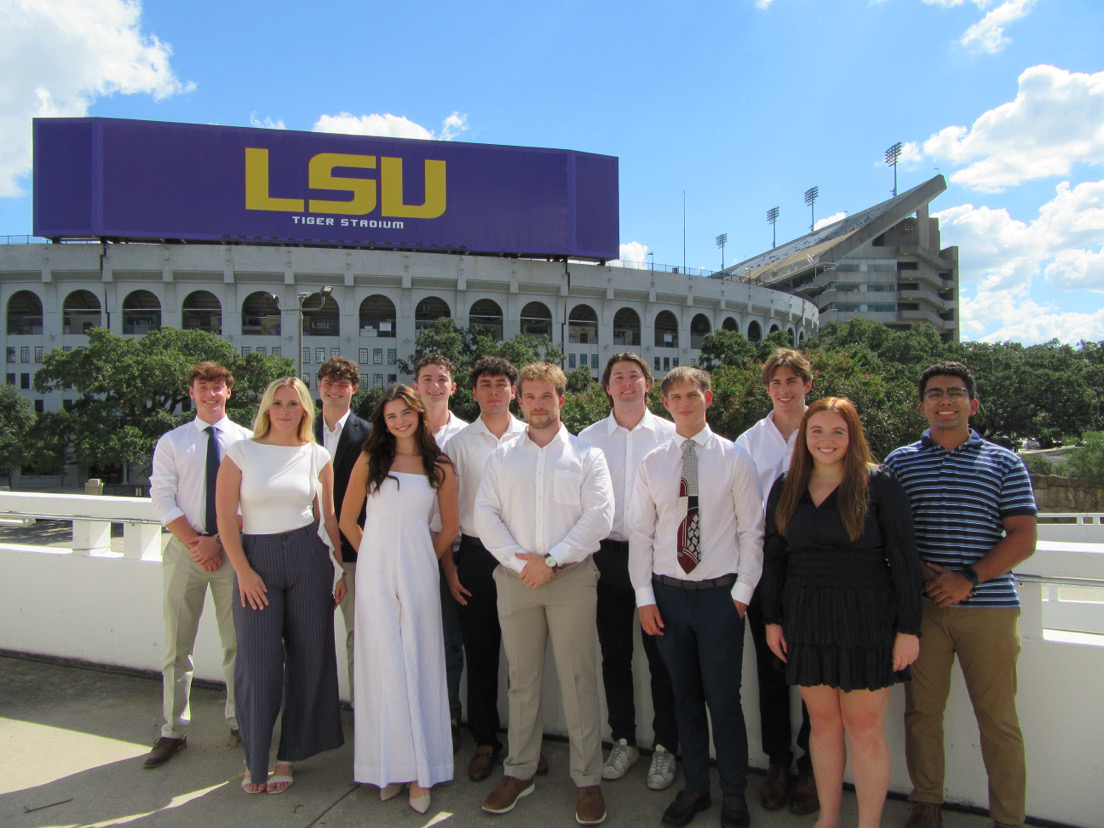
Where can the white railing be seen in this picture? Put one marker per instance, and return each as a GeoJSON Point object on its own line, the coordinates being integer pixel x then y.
{"type": "Point", "coordinates": [88, 602]}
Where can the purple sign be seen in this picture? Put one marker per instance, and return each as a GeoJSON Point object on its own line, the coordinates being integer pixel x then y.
{"type": "Point", "coordinates": [148, 180]}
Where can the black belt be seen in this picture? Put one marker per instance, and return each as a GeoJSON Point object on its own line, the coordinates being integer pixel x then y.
{"type": "Point", "coordinates": [616, 546]}
{"type": "Point", "coordinates": [693, 586]}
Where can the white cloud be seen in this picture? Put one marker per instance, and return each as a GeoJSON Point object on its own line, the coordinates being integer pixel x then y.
{"type": "Point", "coordinates": [988, 33]}
{"type": "Point", "coordinates": [390, 126]}
{"type": "Point", "coordinates": [1002, 257]}
{"type": "Point", "coordinates": [1020, 318]}
{"type": "Point", "coordinates": [632, 253]}
{"type": "Point", "coordinates": [832, 219]}
{"type": "Point", "coordinates": [1077, 270]}
{"type": "Point", "coordinates": [58, 56]}
{"type": "Point", "coordinates": [1055, 121]}
{"type": "Point", "coordinates": [763, 4]}
{"type": "Point", "coordinates": [266, 123]}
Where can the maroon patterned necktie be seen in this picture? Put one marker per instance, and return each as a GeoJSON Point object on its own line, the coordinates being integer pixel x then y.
{"type": "Point", "coordinates": [689, 531]}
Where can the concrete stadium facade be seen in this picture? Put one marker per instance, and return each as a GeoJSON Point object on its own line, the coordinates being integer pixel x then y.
{"type": "Point", "coordinates": [53, 293]}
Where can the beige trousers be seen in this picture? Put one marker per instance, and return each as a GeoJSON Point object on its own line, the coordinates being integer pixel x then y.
{"type": "Point", "coordinates": [562, 611]}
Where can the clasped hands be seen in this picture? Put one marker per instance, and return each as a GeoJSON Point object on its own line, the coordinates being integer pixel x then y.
{"type": "Point", "coordinates": [536, 572]}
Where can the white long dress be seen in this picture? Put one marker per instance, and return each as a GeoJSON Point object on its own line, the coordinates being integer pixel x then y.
{"type": "Point", "coordinates": [402, 726]}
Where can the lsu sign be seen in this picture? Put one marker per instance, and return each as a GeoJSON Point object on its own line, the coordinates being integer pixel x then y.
{"type": "Point", "coordinates": [146, 180]}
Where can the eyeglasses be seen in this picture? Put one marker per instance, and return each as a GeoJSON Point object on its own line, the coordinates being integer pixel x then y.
{"type": "Point", "coordinates": [934, 395]}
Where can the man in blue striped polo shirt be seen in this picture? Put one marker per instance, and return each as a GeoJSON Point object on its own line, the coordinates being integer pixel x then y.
{"type": "Point", "coordinates": [974, 513]}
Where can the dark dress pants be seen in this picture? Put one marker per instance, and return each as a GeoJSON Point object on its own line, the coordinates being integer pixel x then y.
{"type": "Point", "coordinates": [454, 647]}
{"type": "Point", "coordinates": [482, 639]}
{"type": "Point", "coordinates": [703, 647]}
{"type": "Point", "coordinates": [617, 621]}
{"type": "Point", "coordinates": [774, 699]}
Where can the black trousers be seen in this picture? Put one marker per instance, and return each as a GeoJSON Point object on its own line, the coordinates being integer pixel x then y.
{"type": "Point", "coordinates": [703, 647]}
{"type": "Point", "coordinates": [617, 621]}
{"type": "Point", "coordinates": [774, 699]}
{"type": "Point", "coordinates": [482, 636]}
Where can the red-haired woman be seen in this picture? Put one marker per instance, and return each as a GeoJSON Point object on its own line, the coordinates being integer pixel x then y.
{"type": "Point", "coordinates": [841, 597]}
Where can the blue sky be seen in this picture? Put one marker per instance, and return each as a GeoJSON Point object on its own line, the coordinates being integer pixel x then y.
{"type": "Point", "coordinates": [741, 105]}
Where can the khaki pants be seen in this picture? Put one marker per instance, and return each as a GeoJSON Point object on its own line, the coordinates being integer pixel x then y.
{"type": "Point", "coordinates": [987, 643]}
{"type": "Point", "coordinates": [185, 588]}
{"type": "Point", "coordinates": [563, 611]}
{"type": "Point", "coordinates": [348, 612]}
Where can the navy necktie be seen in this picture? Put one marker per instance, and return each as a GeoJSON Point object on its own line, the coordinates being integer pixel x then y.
{"type": "Point", "coordinates": [210, 525]}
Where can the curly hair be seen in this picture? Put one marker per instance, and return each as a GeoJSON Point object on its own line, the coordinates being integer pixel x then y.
{"type": "Point", "coordinates": [380, 445]}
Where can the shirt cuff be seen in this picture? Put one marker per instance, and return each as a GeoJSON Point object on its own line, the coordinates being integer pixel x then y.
{"type": "Point", "coordinates": [742, 592]}
{"type": "Point", "coordinates": [645, 596]}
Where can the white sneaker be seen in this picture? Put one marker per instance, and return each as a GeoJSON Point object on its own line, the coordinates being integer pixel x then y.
{"type": "Point", "coordinates": [622, 757]}
{"type": "Point", "coordinates": [662, 771]}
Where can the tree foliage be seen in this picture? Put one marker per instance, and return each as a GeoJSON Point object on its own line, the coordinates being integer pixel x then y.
{"type": "Point", "coordinates": [17, 419]}
{"type": "Point", "coordinates": [132, 389]}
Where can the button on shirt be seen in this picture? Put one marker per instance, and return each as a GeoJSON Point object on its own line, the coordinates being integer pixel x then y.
{"type": "Point", "coordinates": [624, 449]}
{"type": "Point", "coordinates": [556, 500]}
{"type": "Point", "coordinates": [769, 451]}
{"type": "Point", "coordinates": [469, 449]}
{"type": "Point", "coordinates": [178, 482]}
{"type": "Point", "coordinates": [330, 439]}
{"type": "Point", "coordinates": [730, 506]}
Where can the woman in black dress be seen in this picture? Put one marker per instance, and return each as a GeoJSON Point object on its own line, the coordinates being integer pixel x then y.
{"type": "Point", "coordinates": [841, 599]}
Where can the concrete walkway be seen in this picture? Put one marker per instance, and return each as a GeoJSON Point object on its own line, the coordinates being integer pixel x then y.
{"type": "Point", "coordinates": [72, 741]}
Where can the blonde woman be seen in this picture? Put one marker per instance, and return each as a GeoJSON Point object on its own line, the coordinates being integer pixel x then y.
{"type": "Point", "coordinates": [282, 482]}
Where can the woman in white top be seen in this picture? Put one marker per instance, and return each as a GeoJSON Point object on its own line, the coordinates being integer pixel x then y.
{"type": "Point", "coordinates": [282, 482]}
{"type": "Point", "coordinates": [402, 728]}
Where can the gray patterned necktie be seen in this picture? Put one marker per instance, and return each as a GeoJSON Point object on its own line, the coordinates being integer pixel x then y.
{"type": "Point", "coordinates": [689, 531]}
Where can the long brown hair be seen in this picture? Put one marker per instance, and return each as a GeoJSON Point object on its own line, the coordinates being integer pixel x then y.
{"type": "Point", "coordinates": [853, 495]}
{"type": "Point", "coordinates": [380, 445]}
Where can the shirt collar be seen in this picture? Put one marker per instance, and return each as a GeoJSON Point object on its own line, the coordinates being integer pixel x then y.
{"type": "Point", "coordinates": [514, 427]}
{"type": "Point", "coordinates": [647, 422]}
{"type": "Point", "coordinates": [339, 425]}
{"type": "Point", "coordinates": [562, 436]}
{"type": "Point", "coordinates": [201, 426]}
{"type": "Point", "coordinates": [972, 441]}
{"type": "Point", "coordinates": [701, 438]}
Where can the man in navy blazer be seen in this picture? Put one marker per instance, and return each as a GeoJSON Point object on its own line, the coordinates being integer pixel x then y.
{"type": "Point", "coordinates": [343, 434]}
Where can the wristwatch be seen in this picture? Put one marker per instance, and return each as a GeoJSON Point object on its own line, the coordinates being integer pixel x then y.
{"type": "Point", "coordinates": [551, 562]}
{"type": "Point", "coordinates": [971, 575]}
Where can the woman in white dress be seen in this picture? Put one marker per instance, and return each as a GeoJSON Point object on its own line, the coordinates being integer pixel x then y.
{"type": "Point", "coordinates": [282, 479]}
{"type": "Point", "coordinates": [402, 733]}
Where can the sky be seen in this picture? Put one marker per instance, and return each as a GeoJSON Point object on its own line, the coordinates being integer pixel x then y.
{"type": "Point", "coordinates": [717, 111]}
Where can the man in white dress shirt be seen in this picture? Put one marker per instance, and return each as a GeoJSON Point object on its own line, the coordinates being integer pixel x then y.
{"type": "Point", "coordinates": [543, 507]}
{"type": "Point", "coordinates": [626, 436]}
{"type": "Point", "coordinates": [695, 557]}
{"type": "Point", "coordinates": [493, 381]}
{"type": "Point", "coordinates": [433, 380]}
{"type": "Point", "coordinates": [788, 378]}
{"type": "Point", "coordinates": [185, 462]}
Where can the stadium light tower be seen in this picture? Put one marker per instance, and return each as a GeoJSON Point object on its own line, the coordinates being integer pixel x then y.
{"type": "Point", "coordinates": [810, 199]}
{"type": "Point", "coordinates": [772, 217]}
{"type": "Point", "coordinates": [721, 241]}
{"type": "Point", "coordinates": [891, 156]}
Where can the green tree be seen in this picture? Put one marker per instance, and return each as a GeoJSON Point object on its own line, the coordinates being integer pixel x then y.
{"type": "Point", "coordinates": [17, 420]}
{"type": "Point", "coordinates": [132, 389]}
{"type": "Point", "coordinates": [723, 348]}
{"type": "Point", "coordinates": [1086, 462]}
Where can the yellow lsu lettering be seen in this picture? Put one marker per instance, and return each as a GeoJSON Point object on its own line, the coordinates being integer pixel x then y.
{"type": "Point", "coordinates": [321, 177]}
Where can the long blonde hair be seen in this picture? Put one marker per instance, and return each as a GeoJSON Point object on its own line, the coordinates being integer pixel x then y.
{"type": "Point", "coordinates": [261, 423]}
{"type": "Point", "coordinates": [853, 495]}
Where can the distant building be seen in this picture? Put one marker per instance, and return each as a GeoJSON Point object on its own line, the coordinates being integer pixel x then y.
{"type": "Point", "coordinates": [884, 264]}
{"type": "Point", "coordinates": [51, 294]}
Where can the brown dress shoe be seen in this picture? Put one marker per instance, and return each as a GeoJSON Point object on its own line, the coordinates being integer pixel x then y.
{"type": "Point", "coordinates": [590, 807]}
{"type": "Point", "coordinates": [235, 737]}
{"type": "Point", "coordinates": [503, 798]}
{"type": "Point", "coordinates": [924, 815]}
{"type": "Point", "coordinates": [776, 787]}
{"type": "Point", "coordinates": [164, 749]}
{"type": "Point", "coordinates": [542, 766]}
{"type": "Point", "coordinates": [804, 799]}
{"type": "Point", "coordinates": [482, 763]}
